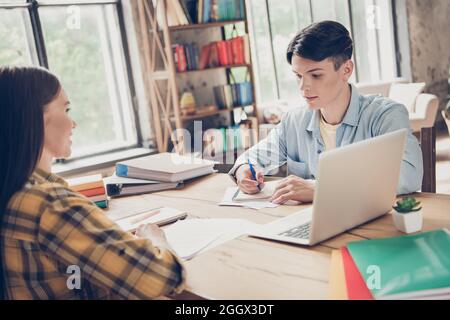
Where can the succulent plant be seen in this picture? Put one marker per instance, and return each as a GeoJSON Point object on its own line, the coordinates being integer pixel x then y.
{"type": "Point", "coordinates": [407, 204]}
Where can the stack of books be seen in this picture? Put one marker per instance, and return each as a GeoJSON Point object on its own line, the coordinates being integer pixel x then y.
{"type": "Point", "coordinates": [401, 268]}
{"type": "Point", "coordinates": [168, 170]}
{"type": "Point", "coordinates": [91, 187]}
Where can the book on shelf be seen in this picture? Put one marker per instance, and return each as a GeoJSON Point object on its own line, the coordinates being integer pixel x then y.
{"type": "Point", "coordinates": [185, 12]}
{"type": "Point", "coordinates": [190, 8]}
{"type": "Point", "coordinates": [176, 6]}
{"type": "Point", "coordinates": [221, 10]}
{"type": "Point", "coordinates": [222, 140]}
{"type": "Point", "coordinates": [234, 95]}
{"type": "Point", "coordinates": [220, 53]}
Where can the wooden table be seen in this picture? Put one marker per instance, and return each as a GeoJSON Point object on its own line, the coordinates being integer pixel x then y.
{"type": "Point", "coordinates": [250, 268]}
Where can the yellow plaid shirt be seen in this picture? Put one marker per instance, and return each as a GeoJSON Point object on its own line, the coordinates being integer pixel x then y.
{"type": "Point", "coordinates": [49, 231]}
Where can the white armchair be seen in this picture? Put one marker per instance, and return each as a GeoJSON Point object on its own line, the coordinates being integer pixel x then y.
{"type": "Point", "coordinates": [424, 114]}
{"type": "Point", "coordinates": [422, 107]}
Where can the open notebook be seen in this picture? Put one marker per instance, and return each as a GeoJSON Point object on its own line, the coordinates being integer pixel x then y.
{"type": "Point", "coordinates": [265, 194]}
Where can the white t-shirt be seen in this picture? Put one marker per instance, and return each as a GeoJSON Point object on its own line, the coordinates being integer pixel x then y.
{"type": "Point", "coordinates": [328, 132]}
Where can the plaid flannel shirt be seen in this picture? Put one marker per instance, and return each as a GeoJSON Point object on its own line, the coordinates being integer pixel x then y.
{"type": "Point", "coordinates": [49, 231]}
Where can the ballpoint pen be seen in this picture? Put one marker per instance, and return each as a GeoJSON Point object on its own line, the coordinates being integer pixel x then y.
{"type": "Point", "coordinates": [253, 174]}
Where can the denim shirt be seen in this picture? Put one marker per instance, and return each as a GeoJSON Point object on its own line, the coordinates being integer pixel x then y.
{"type": "Point", "coordinates": [297, 142]}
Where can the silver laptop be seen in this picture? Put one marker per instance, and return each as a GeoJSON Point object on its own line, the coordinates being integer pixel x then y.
{"type": "Point", "coordinates": [355, 184]}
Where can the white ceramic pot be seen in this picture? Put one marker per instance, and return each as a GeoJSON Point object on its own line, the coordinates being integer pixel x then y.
{"type": "Point", "coordinates": [408, 222]}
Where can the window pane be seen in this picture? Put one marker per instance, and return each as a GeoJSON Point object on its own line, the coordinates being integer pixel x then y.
{"type": "Point", "coordinates": [12, 2]}
{"type": "Point", "coordinates": [284, 24]}
{"type": "Point", "coordinates": [84, 49]}
{"type": "Point", "coordinates": [336, 10]}
{"type": "Point", "coordinates": [373, 35]}
{"type": "Point", "coordinates": [264, 68]}
{"type": "Point", "coordinates": [14, 48]}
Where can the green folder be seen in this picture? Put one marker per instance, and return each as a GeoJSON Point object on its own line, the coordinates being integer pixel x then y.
{"type": "Point", "coordinates": [414, 266]}
{"type": "Point", "coordinates": [102, 204]}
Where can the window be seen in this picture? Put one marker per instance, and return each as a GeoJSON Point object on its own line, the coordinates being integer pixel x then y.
{"type": "Point", "coordinates": [81, 42]}
{"type": "Point", "coordinates": [275, 23]}
{"type": "Point", "coordinates": [14, 29]}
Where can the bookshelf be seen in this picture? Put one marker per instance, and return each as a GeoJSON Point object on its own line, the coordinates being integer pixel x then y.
{"type": "Point", "coordinates": [166, 81]}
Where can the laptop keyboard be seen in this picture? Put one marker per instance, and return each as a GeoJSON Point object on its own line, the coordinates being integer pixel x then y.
{"type": "Point", "coordinates": [300, 232]}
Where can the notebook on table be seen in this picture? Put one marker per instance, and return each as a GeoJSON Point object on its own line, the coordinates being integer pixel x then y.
{"type": "Point", "coordinates": [86, 183]}
{"type": "Point", "coordinates": [411, 267]}
{"type": "Point", "coordinates": [167, 167]}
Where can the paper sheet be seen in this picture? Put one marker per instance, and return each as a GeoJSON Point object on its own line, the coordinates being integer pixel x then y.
{"type": "Point", "coordinates": [227, 200]}
{"type": "Point", "coordinates": [191, 237]}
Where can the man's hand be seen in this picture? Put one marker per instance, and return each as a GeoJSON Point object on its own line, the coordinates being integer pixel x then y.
{"type": "Point", "coordinates": [245, 179]}
{"type": "Point", "coordinates": [293, 188]}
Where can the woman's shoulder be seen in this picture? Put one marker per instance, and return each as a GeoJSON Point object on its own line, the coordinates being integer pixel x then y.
{"type": "Point", "coordinates": [39, 194]}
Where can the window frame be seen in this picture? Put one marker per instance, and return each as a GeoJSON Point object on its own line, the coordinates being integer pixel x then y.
{"type": "Point", "coordinates": [37, 44]}
{"type": "Point", "coordinates": [398, 71]}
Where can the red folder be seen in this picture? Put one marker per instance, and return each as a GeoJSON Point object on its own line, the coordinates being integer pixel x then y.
{"type": "Point", "coordinates": [356, 286]}
{"type": "Point", "coordinates": [93, 192]}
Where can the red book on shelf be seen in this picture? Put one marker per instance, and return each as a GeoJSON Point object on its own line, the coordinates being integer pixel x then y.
{"type": "Point", "coordinates": [223, 52]}
{"type": "Point", "coordinates": [213, 55]}
{"type": "Point", "coordinates": [204, 57]}
{"type": "Point", "coordinates": [237, 46]}
{"type": "Point", "coordinates": [93, 192]}
{"type": "Point", "coordinates": [229, 45]}
{"type": "Point", "coordinates": [181, 55]}
{"type": "Point", "coordinates": [356, 286]}
{"type": "Point", "coordinates": [175, 56]}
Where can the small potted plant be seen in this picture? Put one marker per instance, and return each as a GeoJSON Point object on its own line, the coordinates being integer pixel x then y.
{"type": "Point", "coordinates": [408, 215]}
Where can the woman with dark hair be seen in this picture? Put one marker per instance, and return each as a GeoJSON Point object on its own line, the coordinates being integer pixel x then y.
{"type": "Point", "coordinates": [47, 230]}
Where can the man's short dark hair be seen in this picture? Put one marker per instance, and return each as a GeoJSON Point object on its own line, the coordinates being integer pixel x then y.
{"type": "Point", "coordinates": [322, 40]}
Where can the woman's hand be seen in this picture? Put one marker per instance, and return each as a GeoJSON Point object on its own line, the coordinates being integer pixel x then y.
{"type": "Point", "coordinates": [293, 188]}
{"type": "Point", "coordinates": [154, 234]}
{"type": "Point", "coordinates": [245, 180]}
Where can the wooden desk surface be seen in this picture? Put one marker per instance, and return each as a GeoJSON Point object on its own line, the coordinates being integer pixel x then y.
{"type": "Point", "coordinates": [250, 268]}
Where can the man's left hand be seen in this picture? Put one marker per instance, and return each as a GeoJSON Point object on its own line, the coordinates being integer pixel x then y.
{"type": "Point", "coordinates": [293, 188]}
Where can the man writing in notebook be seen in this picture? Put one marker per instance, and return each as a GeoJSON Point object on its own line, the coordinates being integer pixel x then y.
{"type": "Point", "coordinates": [336, 115]}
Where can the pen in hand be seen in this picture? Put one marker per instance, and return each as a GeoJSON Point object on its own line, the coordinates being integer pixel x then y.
{"type": "Point", "coordinates": [254, 174]}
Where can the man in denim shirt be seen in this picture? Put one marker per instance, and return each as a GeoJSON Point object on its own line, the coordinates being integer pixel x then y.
{"type": "Point", "coordinates": [336, 115]}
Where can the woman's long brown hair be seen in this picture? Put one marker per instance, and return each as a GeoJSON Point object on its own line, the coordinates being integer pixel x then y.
{"type": "Point", "coordinates": [24, 92]}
